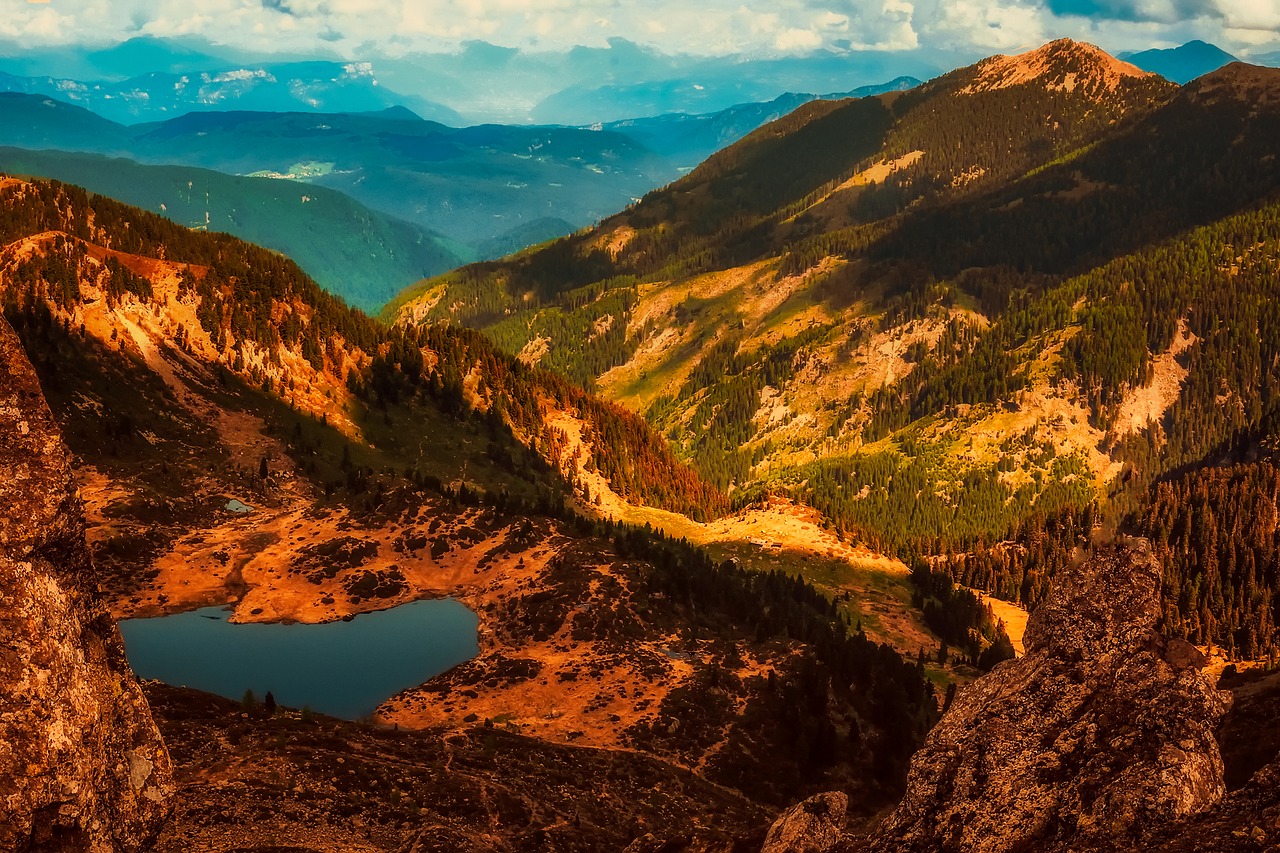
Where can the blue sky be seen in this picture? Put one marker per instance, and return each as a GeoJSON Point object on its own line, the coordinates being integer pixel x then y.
{"type": "Point", "coordinates": [700, 27]}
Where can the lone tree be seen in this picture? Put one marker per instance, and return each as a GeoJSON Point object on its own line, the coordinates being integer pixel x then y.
{"type": "Point", "coordinates": [269, 703]}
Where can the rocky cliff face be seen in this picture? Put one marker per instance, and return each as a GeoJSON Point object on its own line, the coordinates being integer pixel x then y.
{"type": "Point", "coordinates": [82, 765]}
{"type": "Point", "coordinates": [1102, 732]}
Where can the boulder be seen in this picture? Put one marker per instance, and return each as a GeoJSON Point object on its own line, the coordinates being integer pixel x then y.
{"type": "Point", "coordinates": [815, 825]}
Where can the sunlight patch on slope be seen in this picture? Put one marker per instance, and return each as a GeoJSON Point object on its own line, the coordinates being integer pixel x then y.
{"type": "Point", "coordinates": [1147, 404]}
{"type": "Point", "coordinates": [147, 325]}
{"type": "Point", "coordinates": [534, 351]}
{"type": "Point", "coordinates": [676, 322]}
{"type": "Point", "coordinates": [1050, 411]}
{"type": "Point", "coordinates": [873, 174]}
{"type": "Point", "coordinates": [615, 241]}
{"type": "Point", "coordinates": [417, 310]}
{"type": "Point", "coordinates": [858, 361]}
{"type": "Point", "coordinates": [1013, 616]}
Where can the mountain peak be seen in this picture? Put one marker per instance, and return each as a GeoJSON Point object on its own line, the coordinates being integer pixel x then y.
{"type": "Point", "coordinates": [1240, 81]}
{"type": "Point", "coordinates": [1183, 63]}
{"type": "Point", "coordinates": [1063, 64]}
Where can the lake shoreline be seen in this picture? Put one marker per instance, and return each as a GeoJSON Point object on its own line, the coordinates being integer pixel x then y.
{"type": "Point", "coordinates": [344, 668]}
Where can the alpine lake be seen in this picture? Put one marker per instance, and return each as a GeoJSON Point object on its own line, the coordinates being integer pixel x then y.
{"type": "Point", "coordinates": [344, 669]}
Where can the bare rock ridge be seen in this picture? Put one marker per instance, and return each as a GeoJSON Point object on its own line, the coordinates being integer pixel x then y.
{"type": "Point", "coordinates": [1102, 732]}
{"type": "Point", "coordinates": [1062, 65]}
{"type": "Point", "coordinates": [82, 765]}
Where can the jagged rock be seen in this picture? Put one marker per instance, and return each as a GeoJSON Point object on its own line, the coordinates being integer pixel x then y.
{"type": "Point", "coordinates": [648, 843]}
{"type": "Point", "coordinates": [812, 826]}
{"type": "Point", "coordinates": [1102, 731]}
{"type": "Point", "coordinates": [442, 839]}
{"type": "Point", "coordinates": [82, 765]}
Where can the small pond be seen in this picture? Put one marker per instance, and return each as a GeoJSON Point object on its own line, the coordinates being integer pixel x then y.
{"type": "Point", "coordinates": [345, 669]}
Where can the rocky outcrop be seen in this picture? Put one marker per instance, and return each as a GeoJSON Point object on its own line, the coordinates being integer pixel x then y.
{"type": "Point", "coordinates": [1248, 820]}
{"type": "Point", "coordinates": [815, 825]}
{"type": "Point", "coordinates": [82, 765]}
{"type": "Point", "coordinates": [1100, 733]}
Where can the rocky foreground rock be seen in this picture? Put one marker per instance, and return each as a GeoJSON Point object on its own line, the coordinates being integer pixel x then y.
{"type": "Point", "coordinates": [82, 765]}
{"type": "Point", "coordinates": [1101, 737]}
{"type": "Point", "coordinates": [1102, 730]}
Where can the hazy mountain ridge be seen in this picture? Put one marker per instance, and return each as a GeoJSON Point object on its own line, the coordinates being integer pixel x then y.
{"type": "Point", "coordinates": [489, 83]}
{"type": "Point", "coordinates": [315, 86]}
{"type": "Point", "coordinates": [353, 252]}
{"type": "Point", "coordinates": [473, 184]}
{"type": "Point", "coordinates": [691, 138]}
{"type": "Point", "coordinates": [1184, 63]}
{"type": "Point", "coordinates": [493, 188]}
{"type": "Point", "coordinates": [470, 185]}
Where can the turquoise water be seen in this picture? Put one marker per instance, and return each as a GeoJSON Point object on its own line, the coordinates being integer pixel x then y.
{"type": "Point", "coordinates": [345, 669]}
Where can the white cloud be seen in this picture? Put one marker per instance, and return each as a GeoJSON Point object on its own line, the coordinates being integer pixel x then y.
{"type": "Point", "coordinates": [832, 22]}
{"type": "Point", "coordinates": [984, 26]}
{"type": "Point", "coordinates": [1255, 15]}
{"type": "Point", "coordinates": [39, 25]}
{"type": "Point", "coordinates": [708, 27]}
{"type": "Point", "coordinates": [795, 40]}
{"type": "Point", "coordinates": [1252, 39]}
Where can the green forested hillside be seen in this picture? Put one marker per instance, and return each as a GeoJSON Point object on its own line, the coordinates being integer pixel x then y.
{"type": "Point", "coordinates": [1216, 530]}
{"type": "Point", "coordinates": [764, 194]}
{"type": "Point", "coordinates": [246, 290]}
{"type": "Point", "coordinates": [1203, 155]}
{"type": "Point", "coordinates": [985, 315]}
{"type": "Point", "coordinates": [359, 254]}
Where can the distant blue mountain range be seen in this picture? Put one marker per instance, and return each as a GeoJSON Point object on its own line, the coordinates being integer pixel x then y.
{"type": "Point", "coordinates": [148, 79]}
{"type": "Point", "coordinates": [1182, 64]}
{"type": "Point", "coordinates": [315, 86]}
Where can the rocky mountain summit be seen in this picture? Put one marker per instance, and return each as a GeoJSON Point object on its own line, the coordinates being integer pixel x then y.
{"type": "Point", "coordinates": [82, 765]}
{"type": "Point", "coordinates": [1060, 65]}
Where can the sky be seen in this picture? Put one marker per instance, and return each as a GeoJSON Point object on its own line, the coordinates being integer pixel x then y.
{"type": "Point", "coordinates": [358, 28]}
